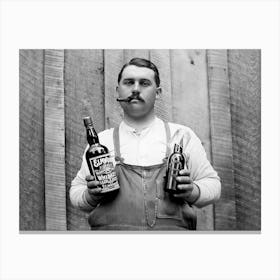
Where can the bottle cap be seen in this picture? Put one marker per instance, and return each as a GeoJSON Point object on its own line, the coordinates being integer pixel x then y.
{"type": "Point", "coordinates": [87, 121]}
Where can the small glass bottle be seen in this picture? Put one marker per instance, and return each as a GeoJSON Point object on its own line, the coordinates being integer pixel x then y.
{"type": "Point", "coordinates": [176, 162]}
{"type": "Point", "coordinates": [99, 160]}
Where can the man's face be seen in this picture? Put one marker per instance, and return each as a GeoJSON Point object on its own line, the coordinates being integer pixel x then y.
{"type": "Point", "coordinates": [138, 81]}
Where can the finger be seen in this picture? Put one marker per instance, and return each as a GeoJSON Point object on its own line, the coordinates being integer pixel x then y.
{"type": "Point", "coordinates": [183, 179]}
{"type": "Point", "coordinates": [184, 172]}
{"type": "Point", "coordinates": [93, 184]}
{"type": "Point", "coordinates": [182, 195]}
{"type": "Point", "coordinates": [95, 191]}
{"type": "Point", "coordinates": [185, 187]}
{"type": "Point", "coordinates": [89, 178]}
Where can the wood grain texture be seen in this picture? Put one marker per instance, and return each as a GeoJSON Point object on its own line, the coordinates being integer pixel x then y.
{"type": "Point", "coordinates": [163, 105]}
{"type": "Point", "coordinates": [190, 105]}
{"type": "Point", "coordinates": [225, 209]}
{"type": "Point", "coordinates": [245, 92]}
{"type": "Point", "coordinates": [113, 62]}
{"type": "Point", "coordinates": [84, 96]}
{"type": "Point", "coordinates": [31, 140]}
{"type": "Point", "coordinates": [132, 53]}
{"type": "Point", "coordinates": [55, 190]}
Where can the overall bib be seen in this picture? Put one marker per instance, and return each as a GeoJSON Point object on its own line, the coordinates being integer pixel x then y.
{"type": "Point", "coordinates": [141, 202]}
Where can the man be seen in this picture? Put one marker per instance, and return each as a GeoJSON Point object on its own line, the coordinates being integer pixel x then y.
{"type": "Point", "coordinates": [141, 146]}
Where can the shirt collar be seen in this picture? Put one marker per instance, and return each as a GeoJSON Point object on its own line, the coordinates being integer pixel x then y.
{"type": "Point", "coordinates": [131, 129]}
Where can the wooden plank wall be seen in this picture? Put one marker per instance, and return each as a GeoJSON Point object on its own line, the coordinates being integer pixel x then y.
{"type": "Point", "coordinates": [54, 141]}
{"type": "Point", "coordinates": [225, 213]}
{"type": "Point", "coordinates": [190, 105]}
{"type": "Point", "coordinates": [245, 89]}
{"type": "Point", "coordinates": [195, 91]}
{"type": "Point", "coordinates": [31, 142]}
{"type": "Point", "coordinates": [84, 95]}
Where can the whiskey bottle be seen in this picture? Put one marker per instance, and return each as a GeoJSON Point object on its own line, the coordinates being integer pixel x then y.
{"type": "Point", "coordinates": [99, 160]}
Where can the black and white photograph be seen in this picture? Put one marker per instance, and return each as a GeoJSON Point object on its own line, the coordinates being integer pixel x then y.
{"type": "Point", "coordinates": [140, 139]}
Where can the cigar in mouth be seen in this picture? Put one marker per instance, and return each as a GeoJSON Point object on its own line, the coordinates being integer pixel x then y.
{"type": "Point", "coordinates": [124, 99]}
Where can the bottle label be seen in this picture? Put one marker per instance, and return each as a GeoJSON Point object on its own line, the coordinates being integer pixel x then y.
{"type": "Point", "coordinates": [104, 172]}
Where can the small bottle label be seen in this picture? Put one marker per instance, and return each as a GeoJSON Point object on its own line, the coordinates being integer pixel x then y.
{"type": "Point", "coordinates": [104, 172]}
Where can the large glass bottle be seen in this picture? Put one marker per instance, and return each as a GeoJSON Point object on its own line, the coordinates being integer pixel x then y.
{"type": "Point", "coordinates": [99, 160]}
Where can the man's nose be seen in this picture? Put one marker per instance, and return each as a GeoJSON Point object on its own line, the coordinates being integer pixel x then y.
{"type": "Point", "coordinates": [136, 87]}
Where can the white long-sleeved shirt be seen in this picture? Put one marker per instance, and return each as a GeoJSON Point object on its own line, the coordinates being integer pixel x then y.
{"type": "Point", "coordinates": [148, 147]}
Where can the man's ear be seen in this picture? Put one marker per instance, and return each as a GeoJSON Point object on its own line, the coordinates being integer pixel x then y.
{"type": "Point", "coordinates": [158, 92]}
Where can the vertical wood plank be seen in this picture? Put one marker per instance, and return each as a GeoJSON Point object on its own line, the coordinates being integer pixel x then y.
{"type": "Point", "coordinates": [163, 108]}
{"type": "Point", "coordinates": [113, 62]}
{"type": "Point", "coordinates": [84, 95]}
{"type": "Point", "coordinates": [31, 140]}
{"type": "Point", "coordinates": [55, 191]}
{"type": "Point", "coordinates": [245, 94]}
{"type": "Point", "coordinates": [190, 106]}
{"type": "Point", "coordinates": [131, 53]}
{"type": "Point", "coordinates": [225, 209]}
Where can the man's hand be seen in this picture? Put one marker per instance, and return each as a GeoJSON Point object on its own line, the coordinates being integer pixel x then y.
{"type": "Point", "coordinates": [93, 190]}
{"type": "Point", "coordinates": [188, 191]}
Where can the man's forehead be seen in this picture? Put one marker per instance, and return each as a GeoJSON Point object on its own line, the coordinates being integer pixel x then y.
{"type": "Point", "coordinates": [132, 71]}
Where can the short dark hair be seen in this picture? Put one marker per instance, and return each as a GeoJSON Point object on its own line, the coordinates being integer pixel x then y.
{"type": "Point", "coordinates": [141, 62]}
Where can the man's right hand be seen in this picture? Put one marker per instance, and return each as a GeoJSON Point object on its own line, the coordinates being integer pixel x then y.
{"type": "Point", "coordinates": [93, 195]}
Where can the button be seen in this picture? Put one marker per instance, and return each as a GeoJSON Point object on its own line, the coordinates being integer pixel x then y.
{"type": "Point", "coordinates": [137, 132]}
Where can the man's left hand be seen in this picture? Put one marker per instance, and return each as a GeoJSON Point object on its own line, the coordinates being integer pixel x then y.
{"type": "Point", "coordinates": [188, 191]}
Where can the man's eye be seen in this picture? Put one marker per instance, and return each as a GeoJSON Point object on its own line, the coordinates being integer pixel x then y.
{"type": "Point", "coordinates": [128, 82]}
{"type": "Point", "coordinates": [145, 83]}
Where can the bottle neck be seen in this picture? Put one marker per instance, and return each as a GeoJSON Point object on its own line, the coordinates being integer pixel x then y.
{"type": "Point", "coordinates": [92, 136]}
{"type": "Point", "coordinates": [178, 149]}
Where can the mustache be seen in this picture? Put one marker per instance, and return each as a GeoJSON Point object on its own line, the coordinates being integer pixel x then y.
{"type": "Point", "coordinates": [131, 97]}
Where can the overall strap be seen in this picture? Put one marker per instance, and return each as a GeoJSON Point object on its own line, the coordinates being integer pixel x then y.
{"type": "Point", "coordinates": [116, 139]}
{"type": "Point", "coordinates": [168, 137]}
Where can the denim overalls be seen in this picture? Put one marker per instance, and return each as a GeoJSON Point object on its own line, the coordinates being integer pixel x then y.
{"type": "Point", "coordinates": [141, 202]}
